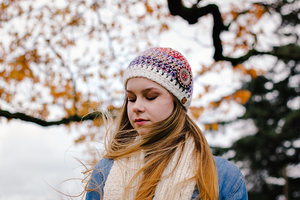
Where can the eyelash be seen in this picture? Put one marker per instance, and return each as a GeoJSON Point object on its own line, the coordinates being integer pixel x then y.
{"type": "Point", "coordinates": [149, 99]}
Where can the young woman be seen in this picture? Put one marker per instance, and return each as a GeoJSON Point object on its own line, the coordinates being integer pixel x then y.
{"type": "Point", "coordinates": [157, 151]}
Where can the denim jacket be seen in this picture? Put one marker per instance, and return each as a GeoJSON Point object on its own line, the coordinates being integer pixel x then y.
{"type": "Point", "coordinates": [231, 181]}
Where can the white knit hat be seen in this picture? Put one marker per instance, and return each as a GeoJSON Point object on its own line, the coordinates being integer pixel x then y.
{"type": "Point", "coordinates": [166, 67]}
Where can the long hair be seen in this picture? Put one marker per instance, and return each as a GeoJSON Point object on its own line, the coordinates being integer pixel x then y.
{"type": "Point", "coordinates": [160, 145]}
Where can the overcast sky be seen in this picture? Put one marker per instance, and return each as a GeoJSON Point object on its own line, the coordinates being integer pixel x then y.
{"type": "Point", "coordinates": [34, 159]}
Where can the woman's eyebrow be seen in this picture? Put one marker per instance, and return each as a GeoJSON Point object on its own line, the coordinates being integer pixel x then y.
{"type": "Point", "coordinates": [128, 91]}
{"type": "Point", "coordinates": [149, 89]}
{"type": "Point", "coordinates": [145, 90]}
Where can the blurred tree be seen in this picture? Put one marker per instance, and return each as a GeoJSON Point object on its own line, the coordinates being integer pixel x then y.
{"type": "Point", "coordinates": [62, 60]}
{"type": "Point", "coordinates": [273, 153]}
{"type": "Point", "coordinates": [270, 156]}
{"type": "Point", "coordinates": [56, 56]}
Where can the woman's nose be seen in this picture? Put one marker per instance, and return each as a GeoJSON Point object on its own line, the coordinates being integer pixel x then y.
{"type": "Point", "coordinates": [138, 106]}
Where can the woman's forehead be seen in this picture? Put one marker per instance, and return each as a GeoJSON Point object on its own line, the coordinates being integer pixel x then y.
{"type": "Point", "coordinates": [142, 82]}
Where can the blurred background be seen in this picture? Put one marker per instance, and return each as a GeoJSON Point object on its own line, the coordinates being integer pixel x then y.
{"type": "Point", "coordinates": [61, 66]}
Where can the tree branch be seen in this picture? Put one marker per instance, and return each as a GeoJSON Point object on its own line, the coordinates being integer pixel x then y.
{"type": "Point", "coordinates": [239, 60]}
{"type": "Point", "coordinates": [20, 14]}
{"type": "Point", "coordinates": [191, 15]}
{"type": "Point", "coordinates": [27, 118]}
{"type": "Point", "coordinates": [105, 29]}
{"type": "Point", "coordinates": [285, 52]}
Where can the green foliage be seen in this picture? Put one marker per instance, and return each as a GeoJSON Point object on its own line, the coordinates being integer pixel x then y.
{"type": "Point", "coordinates": [270, 157]}
{"type": "Point", "coordinates": [274, 146]}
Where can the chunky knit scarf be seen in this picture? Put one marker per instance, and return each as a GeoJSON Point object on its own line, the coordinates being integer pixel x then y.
{"type": "Point", "coordinates": [174, 184]}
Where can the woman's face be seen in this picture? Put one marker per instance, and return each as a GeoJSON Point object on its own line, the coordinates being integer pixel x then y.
{"type": "Point", "coordinates": [148, 103]}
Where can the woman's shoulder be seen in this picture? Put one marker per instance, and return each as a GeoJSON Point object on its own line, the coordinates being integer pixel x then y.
{"type": "Point", "coordinates": [224, 166]}
{"type": "Point", "coordinates": [101, 171]}
{"type": "Point", "coordinates": [98, 178]}
{"type": "Point", "coordinates": [104, 163]}
{"type": "Point", "coordinates": [231, 180]}
{"type": "Point", "coordinates": [103, 166]}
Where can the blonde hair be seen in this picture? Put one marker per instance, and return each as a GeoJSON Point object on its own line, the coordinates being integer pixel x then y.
{"type": "Point", "coordinates": [160, 145]}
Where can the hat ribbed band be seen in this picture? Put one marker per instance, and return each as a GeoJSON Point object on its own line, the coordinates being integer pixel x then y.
{"type": "Point", "coordinates": [158, 76]}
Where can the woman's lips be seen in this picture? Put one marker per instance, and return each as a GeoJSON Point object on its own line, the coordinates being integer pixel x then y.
{"type": "Point", "coordinates": [140, 121]}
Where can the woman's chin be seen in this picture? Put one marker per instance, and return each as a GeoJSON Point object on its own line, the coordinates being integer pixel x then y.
{"type": "Point", "coordinates": [143, 131]}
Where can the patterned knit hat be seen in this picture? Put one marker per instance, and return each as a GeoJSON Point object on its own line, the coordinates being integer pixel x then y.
{"type": "Point", "coordinates": [166, 67]}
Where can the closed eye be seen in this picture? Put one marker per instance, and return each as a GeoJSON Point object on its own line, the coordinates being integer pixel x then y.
{"type": "Point", "coordinates": [150, 99]}
{"type": "Point", "coordinates": [132, 100]}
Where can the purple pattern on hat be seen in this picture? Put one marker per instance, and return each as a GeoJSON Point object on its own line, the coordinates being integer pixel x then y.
{"type": "Point", "coordinates": [165, 59]}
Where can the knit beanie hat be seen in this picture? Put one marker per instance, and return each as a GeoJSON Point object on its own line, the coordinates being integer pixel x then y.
{"type": "Point", "coordinates": [166, 67]}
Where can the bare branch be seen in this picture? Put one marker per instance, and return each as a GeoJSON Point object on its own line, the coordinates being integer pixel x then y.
{"type": "Point", "coordinates": [105, 28]}
{"type": "Point", "coordinates": [56, 53]}
{"type": "Point", "coordinates": [286, 52]}
{"type": "Point", "coordinates": [21, 14]}
{"type": "Point", "coordinates": [70, 71]}
{"type": "Point", "coordinates": [191, 15]}
{"type": "Point", "coordinates": [41, 122]}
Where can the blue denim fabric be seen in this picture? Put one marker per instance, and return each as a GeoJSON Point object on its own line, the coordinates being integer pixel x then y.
{"type": "Point", "coordinates": [98, 179]}
{"type": "Point", "coordinates": [231, 181]}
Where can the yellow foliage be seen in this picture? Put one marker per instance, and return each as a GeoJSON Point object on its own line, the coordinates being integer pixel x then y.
{"type": "Point", "coordinates": [207, 127]}
{"type": "Point", "coordinates": [94, 6]}
{"type": "Point", "coordinates": [110, 107]}
{"type": "Point", "coordinates": [7, 97]}
{"type": "Point", "coordinates": [214, 126]}
{"type": "Point", "coordinates": [242, 96]}
{"type": "Point", "coordinates": [258, 10]}
{"type": "Point", "coordinates": [203, 70]}
{"type": "Point", "coordinates": [206, 88]}
{"type": "Point", "coordinates": [148, 8]}
{"type": "Point", "coordinates": [97, 122]}
{"type": "Point", "coordinates": [44, 112]}
{"type": "Point", "coordinates": [227, 98]}
{"type": "Point", "coordinates": [196, 112]}
{"type": "Point", "coordinates": [241, 31]}
{"type": "Point", "coordinates": [214, 104]}
{"type": "Point", "coordinates": [83, 109]}
{"type": "Point", "coordinates": [80, 139]}
{"type": "Point", "coordinates": [70, 111]}
{"type": "Point", "coordinates": [57, 94]}
{"type": "Point", "coordinates": [253, 73]}
{"type": "Point", "coordinates": [3, 6]}
{"type": "Point", "coordinates": [101, 75]}
{"type": "Point", "coordinates": [94, 105]}
{"type": "Point", "coordinates": [164, 27]}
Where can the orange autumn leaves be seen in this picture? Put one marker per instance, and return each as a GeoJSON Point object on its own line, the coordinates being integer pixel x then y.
{"type": "Point", "coordinates": [245, 18]}
{"type": "Point", "coordinates": [20, 67]}
{"type": "Point", "coordinates": [40, 57]}
{"type": "Point", "coordinates": [240, 96]}
{"type": "Point", "coordinates": [252, 72]}
{"type": "Point", "coordinates": [40, 54]}
{"type": "Point", "coordinates": [244, 39]}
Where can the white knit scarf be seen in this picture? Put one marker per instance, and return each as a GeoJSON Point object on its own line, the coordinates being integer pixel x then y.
{"type": "Point", "coordinates": [172, 186]}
